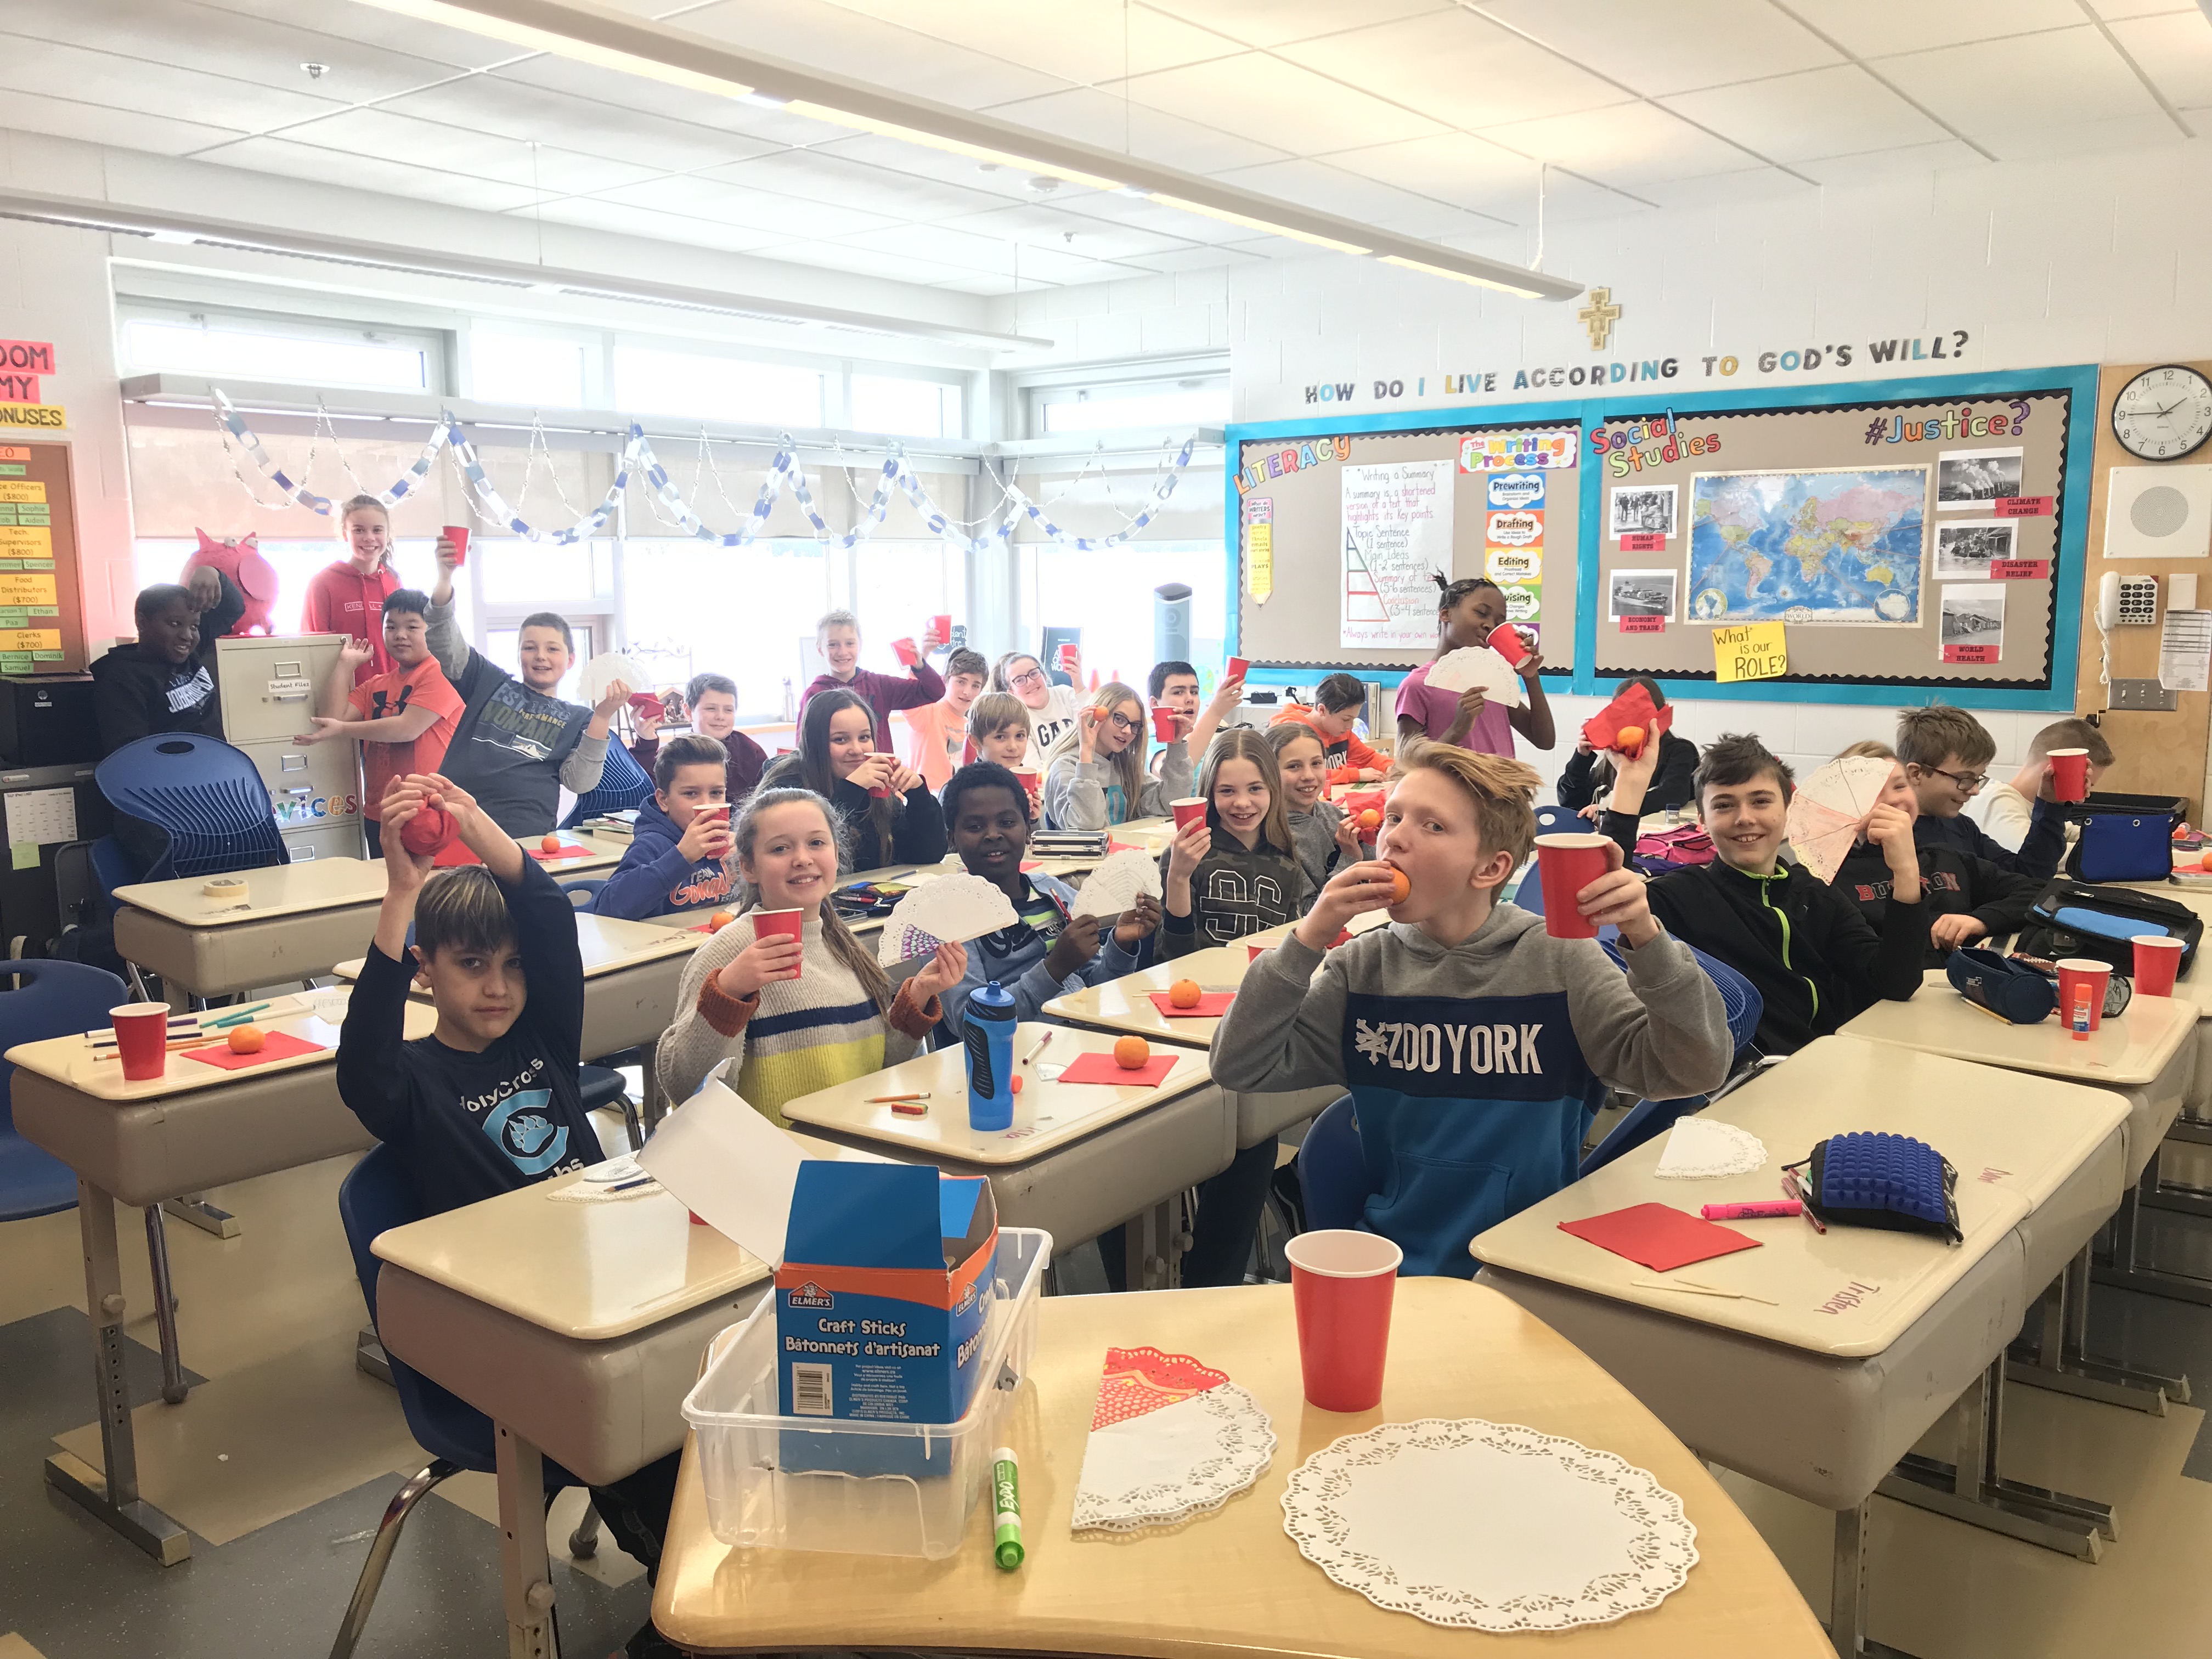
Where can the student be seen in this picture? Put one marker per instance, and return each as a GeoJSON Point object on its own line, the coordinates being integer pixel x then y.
{"type": "Point", "coordinates": [838, 759]}
{"type": "Point", "coordinates": [999, 730]}
{"type": "Point", "coordinates": [404, 718]}
{"type": "Point", "coordinates": [349, 597]}
{"type": "Point", "coordinates": [518, 744]}
{"type": "Point", "coordinates": [679, 855]}
{"type": "Point", "coordinates": [1051, 707]}
{"type": "Point", "coordinates": [1467, 612]}
{"type": "Point", "coordinates": [937, 739]}
{"type": "Point", "coordinates": [1048, 951]}
{"type": "Point", "coordinates": [797, 1015]}
{"type": "Point", "coordinates": [712, 700]}
{"type": "Point", "coordinates": [1590, 774]}
{"type": "Point", "coordinates": [488, 1103]}
{"type": "Point", "coordinates": [838, 636]}
{"type": "Point", "coordinates": [1965, 898]}
{"type": "Point", "coordinates": [1095, 777]}
{"type": "Point", "coordinates": [1476, 1046]}
{"type": "Point", "coordinates": [1947, 753]}
{"type": "Point", "coordinates": [2007, 809]}
{"type": "Point", "coordinates": [1173, 687]}
{"type": "Point", "coordinates": [1816, 961]}
{"type": "Point", "coordinates": [1336, 705]}
{"type": "Point", "coordinates": [1320, 832]}
{"type": "Point", "coordinates": [160, 683]}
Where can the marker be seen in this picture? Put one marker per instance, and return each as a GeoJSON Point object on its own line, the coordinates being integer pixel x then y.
{"type": "Point", "coordinates": [233, 1016]}
{"type": "Point", "coordinates": [1007, 1503]}
{"type": "Point", "coordinates": [1036, 1048]}
{"type": "Point", "coordinates": [1752, 1212]}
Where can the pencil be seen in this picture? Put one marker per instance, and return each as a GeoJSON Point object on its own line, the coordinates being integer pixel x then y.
{"type": "Point", "coordinates": [894, 1100]}
{"type": "Point", "coordinates": [1037, 1048]}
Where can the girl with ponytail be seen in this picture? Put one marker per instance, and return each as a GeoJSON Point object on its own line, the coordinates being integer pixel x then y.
{"type": "Point", "coordinates": [1467, 612]}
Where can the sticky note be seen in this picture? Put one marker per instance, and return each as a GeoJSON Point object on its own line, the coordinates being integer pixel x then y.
{"type": "Point", "coordinates": [22, 855]}
{"type": "Point", "coordinates": [1752, 651]}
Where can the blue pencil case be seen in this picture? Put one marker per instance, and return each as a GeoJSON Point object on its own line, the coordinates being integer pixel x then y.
{"type": "Point", "coordinates": [2074, 919]}
{"type": "Point", "coordinates": [1872, 1179]}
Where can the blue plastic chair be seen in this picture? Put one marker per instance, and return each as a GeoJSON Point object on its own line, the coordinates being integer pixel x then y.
{"type": "Point", "coordinates": [1558, 821]}
{"type": "Point", "coordinates": [207, 796]}
{"type": "Point", "coordinates": [1529, 896]}
{"type": "Point", "coordinates": [67, 999]}
{"type": "Point", "coordinates": [583, 892]}
{"type": "Point", "coordinates": [1648, 1119]}
{"type": "Point", "coordinates": [375, 1197]}
{"type": "Point", "coordinates": [1333, 1170]}
{"type": "Point", "coordinates": [622, 784]}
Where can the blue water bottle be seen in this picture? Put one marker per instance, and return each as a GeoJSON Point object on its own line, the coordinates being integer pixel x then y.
{"type": "Point", "coordinates": [986, 1027]}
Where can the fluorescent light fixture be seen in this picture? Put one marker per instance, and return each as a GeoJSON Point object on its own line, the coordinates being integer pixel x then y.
{"type": "Point", "coordinates": [589, 32]}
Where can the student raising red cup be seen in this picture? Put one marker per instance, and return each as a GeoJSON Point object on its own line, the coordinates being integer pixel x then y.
{"type": "Point", "coordinates": [1505, 640]}
{"type": "Point", "coordinates": [780, 924]}
{"type": "Point", "coordinates": [1564, 866]}
{"type": "Point", "coordinates": [458, 535]}
{"type": "Point", "coordinates": [1163, 725]}
{"type": "Point", "coordinates": [2069, 775]}
{"type": "Point", "coordinates": [1188, 810]}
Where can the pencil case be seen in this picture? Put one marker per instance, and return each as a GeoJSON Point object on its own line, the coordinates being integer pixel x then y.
{"type": "Point", "coordinates": [1871, 1179]}
{"type": "Point", "coordinates": [2007, 989]}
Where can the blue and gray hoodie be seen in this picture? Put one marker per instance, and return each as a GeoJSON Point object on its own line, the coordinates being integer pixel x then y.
{"type": "Point", "coordinates": [1015, 956]}
{"type": "Point", "coordinates": [1474, 1069]}
{"type": "Point", "coordinates": [655, 879]}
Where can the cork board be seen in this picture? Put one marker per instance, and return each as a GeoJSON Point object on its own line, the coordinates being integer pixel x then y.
{"type": "Point", "coordinates": [41, 619]}
{"type": "Point", "coordinates": [1301, 622]}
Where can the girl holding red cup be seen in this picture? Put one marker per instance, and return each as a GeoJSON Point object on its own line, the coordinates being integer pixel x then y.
{"type": "Point", "coordinates": [892, 817]}
{"type": "Point", "coordinates": [1468, 612]}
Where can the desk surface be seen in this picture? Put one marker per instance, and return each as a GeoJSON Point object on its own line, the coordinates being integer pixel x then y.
{"type": "Point", "coordinates": [2014, 1140]}
{"type": "Point", "coordinates": [1047, 1115]}
{"type": "Point", "coordinates": [2125, 1052]}
{"type": "Point", "coordinates": [69, 1059]}
{"type": "Point", "coordinates": [609, 943]}
{"type": "Point", "coordinates": [1125, 1004]}
{"type": "Point", "coordinates": [1231, 1583]}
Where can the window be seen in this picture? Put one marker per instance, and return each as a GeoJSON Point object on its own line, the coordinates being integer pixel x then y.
{"type": "Point", "coordinates": [914, 408]}
{"type": "Point", "coordinates": [744, 612]}
{"type": "Point", "coordinates": [190, 346]}
{"type": "Point", "coordinates": [1110, 597]}
{"type": "Point", "coordinates": [541, 575]}
{"type": "Point", "coordinates": [707, 387]}
{"type": "Point", "coordinates": [1098, 409]}
{"type": "Point", "coordinates": [521, 368]}
{"type": "Point", "coordinates": [899, 587]}
{"type": "Point", "coordinates": [162, 559]}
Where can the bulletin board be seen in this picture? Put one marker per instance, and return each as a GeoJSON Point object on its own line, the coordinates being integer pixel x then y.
{"type": "Point", "coordinates": [41, 621]}
{"type": "Point", "coordinates": [1506, 503]}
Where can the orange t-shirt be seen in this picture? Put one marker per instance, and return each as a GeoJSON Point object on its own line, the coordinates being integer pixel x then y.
{"type": "Point", "coordinates": [385, 696]}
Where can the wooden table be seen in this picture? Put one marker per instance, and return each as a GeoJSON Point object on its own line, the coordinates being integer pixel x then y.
{"type": "Point", "coordinates": [195, 1126]}
{"type": "Point", "coordinates": [1865, 1338]}
{"type": "Point", "coordinates": [1233, 1584]}
{"type": "Point", "coordinates": [1079, 1158]}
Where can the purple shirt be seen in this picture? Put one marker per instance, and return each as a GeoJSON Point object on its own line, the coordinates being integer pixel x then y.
{"type": "Point", "coordinates": [1490, 734]}
{"type": "Point", "coordinates": [883, 693]}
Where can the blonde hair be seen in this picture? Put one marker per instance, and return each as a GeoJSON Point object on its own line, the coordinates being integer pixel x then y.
{"type": "Point", "coordinates": [1504, 791]}
{"type": "Point", "coordinates": [1243, 742]}
{"type": "Point", "coordinates": [1129, 766]}
{"type": "Point", "coordinates": [994, 712]}
{"type": "Point", "coordinates": [858, 960]}
{"type": "Point", "coordinates": [1867, 749]}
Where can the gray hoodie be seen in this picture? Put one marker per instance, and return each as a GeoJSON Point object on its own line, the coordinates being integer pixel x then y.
{"type": "Point", "coordinates": [1474, 1069]}
{"type": "Point", "coordinates": [1313, 833]}
{"type": "Point", "coordinates": [1089, 797]}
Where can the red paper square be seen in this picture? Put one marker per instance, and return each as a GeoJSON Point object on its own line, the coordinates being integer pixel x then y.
{"type": "Point", "coordinates": [1105, 1068]}
{"type": "Point", "coordinates": [277, 1045]}
{"type": "Point", "coordinates": [570, 849]}
{"type": "Point", "coordinates": [1027, 864]}
{"type": "Point", "coordinates": [1113, 845]}
{"type": "Point", "coordinates": [1212, 1004]}
{"type": "Point", "coordinates": [1659, 1237]}
{"type": "Point", "coordinates": [1632, 708]}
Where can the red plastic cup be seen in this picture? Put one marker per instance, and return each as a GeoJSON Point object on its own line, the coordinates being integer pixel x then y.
{"type": "Point", "coordinates": [2081, 987]}
{"type": "Point", "coordinates": [1235, 668]}
{"type": "Point", "coordinates": [1163, 725]}
{"type": "Point", "coordinates": [1031, 782]}
{"type": "Point", "coordinates": [1342, 1281]}
{"type": "Point", "coordinates": [907, 651]}
{"type": "Point", "coordinates": [2158, 959]}
{"type": "Point", "coordinates": [941, 625]}
{"type": "Point", "coordinates": [1188, 810]}
{"type": "Point", "coordinates": [780, 924]}
{"type": "Point", "coordinates": [1505, 640]}
{"type": "Point", "coordinates": [1566, 864]}
{"type": "Point", "coordinates": [458, 535]}
{"type": "Point", "coordinates": [2069, 773]}
{"type": "Point", "coordinates": [142, 1038]}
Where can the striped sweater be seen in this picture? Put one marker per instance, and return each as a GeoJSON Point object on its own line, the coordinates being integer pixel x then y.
{"type": "Point", "coordinates": [796, 1036]}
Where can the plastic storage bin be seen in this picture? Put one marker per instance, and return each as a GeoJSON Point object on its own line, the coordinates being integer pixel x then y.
{"type": "Point", "coordinates": [794, 1483]}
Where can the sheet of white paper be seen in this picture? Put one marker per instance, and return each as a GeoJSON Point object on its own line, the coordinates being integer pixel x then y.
{"type": "Point", "coordinates": [605, 669]}
{"type": "Point", "coordinates": [41, 816]}
{"type": "Point", "coordinates": [1112, 887]}
{"type": "Point", "coordinates": [948, 910]}
{"type": "Point", "coordinates": [729, 1165]}
{"type": "Point", "coordinates": [2185, 654]}
{"type": "Point", "coordinates": [1477, 665]}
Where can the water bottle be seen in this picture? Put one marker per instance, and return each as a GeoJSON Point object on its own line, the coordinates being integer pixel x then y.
{"type": "Point", "coordinates": [986, 1027]}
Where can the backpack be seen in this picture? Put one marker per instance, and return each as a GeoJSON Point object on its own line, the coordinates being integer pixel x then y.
{"type": "Point", "coordinates": [2125, 838]}
{"type": "Point", "coordinates": [2075, 918]}
{"type": "Point", "coordinates": [1664, 851]}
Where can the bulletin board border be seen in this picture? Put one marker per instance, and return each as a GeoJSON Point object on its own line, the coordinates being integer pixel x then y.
{"type": "Point", "coordinates": [2078, 471]}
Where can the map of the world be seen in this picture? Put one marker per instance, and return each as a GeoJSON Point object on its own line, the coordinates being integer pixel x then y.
{"type": "Point", "coordinates": [1839, 546]}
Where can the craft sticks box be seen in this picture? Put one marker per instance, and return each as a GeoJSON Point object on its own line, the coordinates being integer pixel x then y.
{"type": "Point", "coordinates": [883, 1293]}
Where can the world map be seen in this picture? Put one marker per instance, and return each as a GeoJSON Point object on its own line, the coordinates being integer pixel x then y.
{"type": "Point", "coordinates": [1846, 545]}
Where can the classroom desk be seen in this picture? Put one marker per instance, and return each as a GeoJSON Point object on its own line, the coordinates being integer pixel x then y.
{"type": "Point", "coordinates": [1079, 1158]}
{"type": "Point", "coordinates": [195, 1126]}
{"type": "Point", "coordinates": [1231, 1585]}
{"type": "Point", "coordinates": [1875, 1334]}
{"type": "Point", "coordinates": [300, 920]}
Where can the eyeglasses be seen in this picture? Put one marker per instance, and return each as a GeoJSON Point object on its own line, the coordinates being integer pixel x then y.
{"type": "Point", "coordinates": [1125, 723]}
{"type": "Point", "coordinates": [1034, 677]}
{"type": "Point", "coordinates": [1971, 782]}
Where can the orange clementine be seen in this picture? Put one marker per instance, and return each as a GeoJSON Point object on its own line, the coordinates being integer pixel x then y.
{"type": "Point", "coordinates": [1017, 1083]}
{"type": "Point", "coordinates": [1370, 819]}
{"type": "Point", "coordinates": [1402, 887]}
{"type": "Point", "coordinates": [246, 1039]}
{"type": "Point", "coordinates": [721, 920]}
{"type": "Point", "coordinates": [1130, 1053]}
{"type": "Point", "coordinates": [549, 844]}
{"type": "Point", "coordinates": [1184, 993]}
{"type": "Point", "coordinates": [1629, 740]}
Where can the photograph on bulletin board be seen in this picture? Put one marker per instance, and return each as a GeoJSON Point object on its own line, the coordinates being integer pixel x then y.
{"type": "Point", "coordinates": [1895, 542]}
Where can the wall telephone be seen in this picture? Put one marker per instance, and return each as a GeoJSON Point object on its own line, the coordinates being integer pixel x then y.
{"type": "Point", "coordinates": [2126, 601]}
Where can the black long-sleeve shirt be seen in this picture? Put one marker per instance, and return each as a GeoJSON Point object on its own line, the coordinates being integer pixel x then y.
{"type": "Point", "coordinates": [1952, 882]}
{"type": "Point", "coordinates": [135, 696]}
{"type": "Point", "coordinates": [917, 825]}
{"type": "Point", "coordinates": [2039, 852]}
{"type": "Point", "coordinates": [472, 1126]}
{"type": "Point", "coordinates": [1670, 784]}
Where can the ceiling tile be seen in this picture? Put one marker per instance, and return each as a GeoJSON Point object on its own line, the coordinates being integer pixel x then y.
{"type": "Point", "coordinates": [2049, 141]}
{"type": "Point", "coordinates": [2113, 8]}
{"type": "Point", "coordinates": [1993, 90]}
{"type": "Point", "coordinates": [1327, 189]}
{"type": "Point", "coordinates": [1081, 41]}
{"type": "Point", "coordinates": [900, 266]}
{"type": "Point", "coordinates": [1277, 103]}
{"type": "Point", "coordinates": [1461, 69]}
{"type": "Point", "coordinates": [1191, 258]}
{"type": "Point", "coordinates": [2176, 52]}
{"type": "Point", "coordinates": [1877, 166]}
{"type": "Point", "coordinates": [1626, 144]}
{"type": "Point", "coordinates": [825, 37]}
{"type": "Point", "coordinates": [334, 26]}
{"type": "Point", "coordinates": [1468, 172]}
{"type": "Point", "coordinates": [96, 124]}
{"type": "Point", "coordinates": [379, 132]}
{"type": "Point", "coordinates": [1275, 22]}
{"type": "Point", "coordinates": [895, 196]}
{"type": "Point", "coordinates": [1091, 117]}
{"type": "Point", "coordinates": [513, 109]}
{"type": "Point", "coordinates": [1051, 227]}
{"type": "Point", "coordinates": [602, 86]}
{"type": "Point", "coordinates": [1682, 45]}
{"type": "Point", "coordinates": [159, 88]}
{"type": "Point", "coordinates": [964, 250]}
{"type": "Point", "coordinates": [1730, 189]}
{"type": "Point", "coordinates": [1881, 29]}
{"type": "Point", "coordinates": [732, 235]}
{"type": "Point", "coordinates": [1830, 112]}
{"type": "Point", "coordinates": [346, 167]}
{"type": "Point", "coordinates": [785, 218]}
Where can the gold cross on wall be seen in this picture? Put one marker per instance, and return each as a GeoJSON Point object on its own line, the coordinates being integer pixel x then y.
{"type": "Point", "coordinates": [1599, 316]}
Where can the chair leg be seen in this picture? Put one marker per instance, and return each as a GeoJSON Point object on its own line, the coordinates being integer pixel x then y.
{"type": "Point", "coordinates": [165, 1308]}
{"type": "Point", "coordinates": [379, 1553]}
{"type": "Point", "coordinates": [584, 1542]}
{"type": "Point", "coordinates": [631, 1126]}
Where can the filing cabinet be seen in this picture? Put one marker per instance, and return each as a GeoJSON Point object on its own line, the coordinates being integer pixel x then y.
{"type": "Point", "coordinates": [270, 687]}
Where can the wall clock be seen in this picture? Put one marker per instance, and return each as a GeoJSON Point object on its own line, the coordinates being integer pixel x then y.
{"type": "Point", "coordinates": [2163, 413]}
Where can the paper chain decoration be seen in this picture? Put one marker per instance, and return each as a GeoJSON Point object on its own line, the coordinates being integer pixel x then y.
{"type": "Point", "coordinates": [637, 456]}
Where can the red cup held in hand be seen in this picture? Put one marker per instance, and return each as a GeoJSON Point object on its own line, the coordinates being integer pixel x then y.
{"type": "Point", "coordinates": [1188, 810]}
{"type": "Point", "coordinates": [908, 653]}
{"type": "Point", "coordinates": [780, 924]}
{"type": "Point", "coordinates": [1505, 640]}
{"type": "Point", "coordinates": [2069, 773]}
{"type": "Point", "coordinates": [1564, 866]}
{"type": "Point", "coordinates": [1235, 668]}
{"type": "Point", "coordinates": [142, 1038]}
{"type": "Point", "coordinates": [941, 625]}
{"type": "Point", "coordinates": [458, 535]}
{"type": "Point", "coordinates": [1163, 725]}
{"type": "Point", "coordinates": [1342, 1283]}
{"type": "Point", "coordinates": [2158, 959]}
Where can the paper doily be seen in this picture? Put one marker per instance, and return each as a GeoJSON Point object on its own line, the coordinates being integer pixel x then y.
{"type": "Point", "coordinates": [1701, 1148]}
{"type": "Point", "coordinates": [1489, 1525]}
{"type": "Point", "coordinates": [1168, 1464]}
